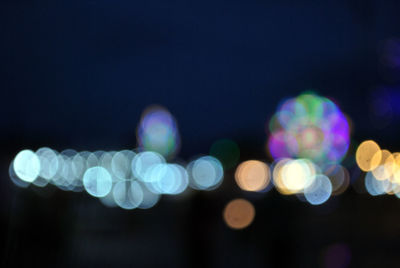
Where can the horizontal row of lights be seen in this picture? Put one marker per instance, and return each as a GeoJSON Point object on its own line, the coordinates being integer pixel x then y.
{"type": "Point", "coordinates": [126, 178]}
{"type": "Point", "coordinates": [301, 177]}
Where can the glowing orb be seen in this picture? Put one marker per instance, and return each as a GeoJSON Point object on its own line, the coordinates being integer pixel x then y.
{"type": "Point", "coordinates": [97, 181]}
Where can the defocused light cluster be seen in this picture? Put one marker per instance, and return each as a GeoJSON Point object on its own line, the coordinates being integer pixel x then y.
{"type": "Point", "coordinates": [309, 137]}
{"type": "Point", "coordinates": [382, 167]}
{"type": "Point", "coordinates": [158, 132]}
{"type": "Point", "coordinates": [127, 178]}
{"type": "Point", "coordinates": [300, 177]}
{"type": "Point", "coordinates": [311, 127]}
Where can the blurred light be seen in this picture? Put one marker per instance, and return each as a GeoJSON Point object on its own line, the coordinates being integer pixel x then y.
{"type": "Point", "coordinates": [128, 194]}
{"type": "Point", "coordinates": [91, 159]}
{"type": "Point", "coordinates": [121, 164]}
{"type": "Point", "coordinates": [252, 175]}
{"type": "Point", "coordinates": [15, 179]}
{"type": "Point", "coordinates": [239, 213]}
{"type": "Point", "coordinates": [297, 175]}
{"type": "Point", "coordinates": [277, 176]}
{"type": "Point", "coordinates": [376, 187]}
{"type": "Point", "coordinates": [226, 151]}
{"type": "Point", "coordinates": [108, 200]}
{"type": "Point", "coordinates": [97, 181]}
{"type": "Point", "coordinates": [150, 199]}
{"type": "Point", "coordinates": [142, 163]}
{"type": "Point", "coordinates": [368, 155]}
{"type": "Point", "coordinates": [396, 169]}
{"type": "Point", "coordinates": [339, 177]}
{"type": "Point", "coordinates": [319, 191]}
{"type": "Point", "coordinates": [106, 161]}
{"type": "Point", "coordinates": [78, 166]}
{"type": "Point", "coordinates": [48, 163]}
{"type": "Point", "coordinates": [64, 178]}
{"type": "Point", "coordinates": [385, 167]}
{"type": "Point", "coordinates": [157, 131]}
{"type": "Point", "coordinates": [166, 179]}
{"type": "Point", "coordinates": [27, 165]}
{"type": "Point", "coordinates": [311, 127]}
{"type": "Point", "coordinates": [206, 173]}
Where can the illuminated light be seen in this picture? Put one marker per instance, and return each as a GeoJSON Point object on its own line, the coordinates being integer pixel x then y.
{"type": "Point", "coordinates": [65, 178]}
{"type": "Point", "coordinates": [375, 187]}
{"type": "Point", "coordinates": [368, 155]}
{"type": "Point", "coordinates": [106, 160]}
{"type": "Point", "coordinates": [157, 131]}
{"type": "Point", "coordinates": [311, 127]}
{"type": "Point", "coordinates": [396, 170]}
{"type": "Point", "coordinates": [142, 162]}
{"type": "Point", "coordinates": [15, 179]}
{"type": "Point", "coordinates": [319, 191]}
{"type": "Point", "coordinates": [27, 165]}
{"type": "Point", "coordinates": [168, 179]}
{"type": "Point", "coordinates": [296, 175]}
{"type": "Point", "coordinates": [239, 213]}
{"type": "Point", "coordinates": [165, 178]}
{"type": "Point", "coordinates": [69, 152]}
{"type": "Point", "coordinates": [128, 194]}
{"type": "Point", "coordinates": [78, 166]}
{"type": "Point", "coordinates": [339, 177]}
{"type": "Point", "coordinates": [99, 154]}
{"type": "Point", "coordinates": [206, 173]}
{"type": "Point", "coordinates": [183, 181]}
{"type": "Point", "coordinates": [252, 175]}
{"type": "Point", "coordinates": [121, 164]}
{"type": "Point", "coordinates": [150, 199]}
{"type": "Point", "coordinates": [97, 181]}
{"type": "Point", "coordinates": [277, 177]}
{"type": "Point", "coordinates": [277, 145]}
{"type": "Point", "coordinates": [386, 165]}
{"type": "Point", "coordinates": [392, 188]}
{"type": "Point", "coordinates": [40, 182]}
{"type": "Point", "coordinates": [108, 200]}
{"type": "Point", "coordinates": [226, 151]}
{"type": "Point", "coordinates": [48, 163]}
{"type": "Point", "coordinates": [91, 159]}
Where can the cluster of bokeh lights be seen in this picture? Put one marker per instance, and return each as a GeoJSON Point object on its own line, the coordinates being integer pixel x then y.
{"type": "Point", "coordinates": [309, 137]}
{"type": "Point", "coordinates": [311, 127]}
{"type": "Point", "coordinates": [127, 178]}
{"type": "Point", "coordinates": [300, 177]}
{"type": "Point", "coordinates": [382, 169]}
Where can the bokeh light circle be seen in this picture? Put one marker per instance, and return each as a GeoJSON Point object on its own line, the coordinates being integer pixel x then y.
{"type": "Point", "coordinates": [319, 191]}
{"type": "Point", "coordinates": [239, 213]}
{"type": "Point", "coordinates": [128, 194]}
{"type": "Point", "coordinates": [368, 155]}
{"type": "Point", "coordinates": [27, 165]}
{"type": "Point", "coordinates": [311, 127]}
{"type": "Point", "coordinates": [205, 173]}
{"type": "Point", "coordinates": [97, 181]}
{"type": "Point", "coordinates": [252, 175]}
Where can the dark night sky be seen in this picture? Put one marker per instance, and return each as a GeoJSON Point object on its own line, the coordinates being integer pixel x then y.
{"type": "Point", "coordinates": [80, 72]}
{"type": "Point", "coordinates": [77, 74]}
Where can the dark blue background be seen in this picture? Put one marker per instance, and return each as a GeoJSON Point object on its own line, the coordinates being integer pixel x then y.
{"type": "Point", "coordinates": [79, 73]}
